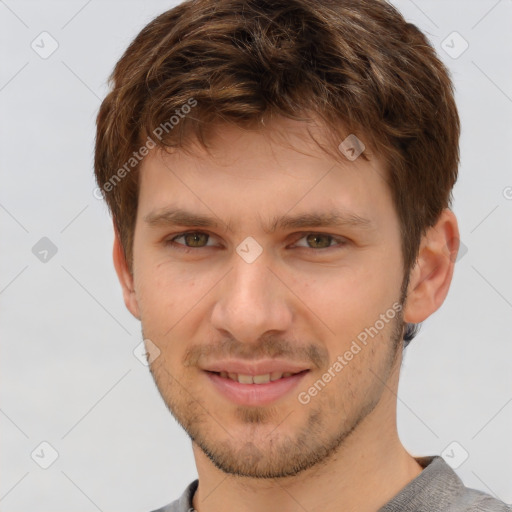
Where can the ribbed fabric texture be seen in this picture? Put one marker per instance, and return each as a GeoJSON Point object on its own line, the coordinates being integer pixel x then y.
{"type": "Point", "coordinates": [436, 489]}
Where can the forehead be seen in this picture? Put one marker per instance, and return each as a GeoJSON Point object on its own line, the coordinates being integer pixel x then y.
{"type": "Point", "coordinates": [265, 174]}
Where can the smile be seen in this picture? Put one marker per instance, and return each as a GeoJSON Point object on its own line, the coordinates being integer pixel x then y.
{"type": "Point", "coordinates": [255, 379]}
{"type": "Point", "coordinates": [254, 390]}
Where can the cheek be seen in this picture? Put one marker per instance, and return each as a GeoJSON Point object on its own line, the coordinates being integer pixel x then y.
{"type": "Point", "coordinates": [169, 298]}
{"type": "Point", "coordinates": [347, 295]}
{"type": "Point", "coordinates": [158, 296]}
{"type": "Point", "coordinates": [350, 301]}
{"type": "Point", "coordinates": [379, 280]}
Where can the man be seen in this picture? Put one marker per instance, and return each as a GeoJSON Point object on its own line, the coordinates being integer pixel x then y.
{"type": "Point", "coordinates": [279, 175]}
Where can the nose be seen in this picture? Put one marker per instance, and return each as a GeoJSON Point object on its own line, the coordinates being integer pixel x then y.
{"type": "Point", "coordinates": [252, 301]}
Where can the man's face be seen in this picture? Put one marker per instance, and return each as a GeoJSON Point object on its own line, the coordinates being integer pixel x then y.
{"type": "Point", "coordinates": [251, 300]}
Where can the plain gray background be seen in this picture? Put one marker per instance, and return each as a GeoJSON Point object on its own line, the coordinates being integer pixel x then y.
{"type": "Point", "coordinates": [69, 376]}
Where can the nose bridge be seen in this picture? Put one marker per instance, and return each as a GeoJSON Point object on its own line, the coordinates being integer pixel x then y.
{"type": "Point", "coordinates": [251, 300]}
{"type": "Point", "coordinates": [251, 280]}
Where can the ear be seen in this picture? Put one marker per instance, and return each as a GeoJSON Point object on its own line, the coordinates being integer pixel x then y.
{"type": "Point", "coordinates": [125, 277]}
{"type": "Point", "coordinates": [432, 274]}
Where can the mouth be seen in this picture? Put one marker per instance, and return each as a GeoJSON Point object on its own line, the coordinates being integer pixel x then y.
{"type": "Point", "coordinates": [254, 390]}
{"type": "Point", "coordinates": [256, 379]}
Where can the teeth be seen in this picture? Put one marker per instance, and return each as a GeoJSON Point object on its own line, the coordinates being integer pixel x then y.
{"type": "Point", "coordinates": [261, 379]}
{"type": "Point", "coordinates": [255, 379]}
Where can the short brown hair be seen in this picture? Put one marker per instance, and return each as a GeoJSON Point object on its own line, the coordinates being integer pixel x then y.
{"type": "Point", "coordinates": [356, 65]}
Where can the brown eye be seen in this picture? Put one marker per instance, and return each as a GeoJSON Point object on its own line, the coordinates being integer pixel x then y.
{"type": "Point", "coordinates": [195, 239]}
{"type": "Point", "coordinates": [192, 239]}
{"type": "Point", "coordinates": [319, 241]}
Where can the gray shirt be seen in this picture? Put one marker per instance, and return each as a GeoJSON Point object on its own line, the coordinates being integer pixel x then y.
{"type": "Point", "coordinates": [436, 489]}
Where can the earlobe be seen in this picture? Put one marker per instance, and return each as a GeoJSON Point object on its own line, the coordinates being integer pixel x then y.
{"type": "Point", "coordinates": [432, 274]}
{"type": "Point", "coordinates": [125, 277]}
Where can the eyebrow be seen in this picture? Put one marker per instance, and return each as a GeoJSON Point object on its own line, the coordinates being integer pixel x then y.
{"type": "Point", "coordinates": [331, 218]}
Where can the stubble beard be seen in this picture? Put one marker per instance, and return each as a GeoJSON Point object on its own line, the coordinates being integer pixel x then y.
{"type": "Point", "coordinates": [274, 454]}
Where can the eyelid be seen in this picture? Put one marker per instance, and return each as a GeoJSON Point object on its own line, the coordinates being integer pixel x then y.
{"type": "Point", "coordinates": [170, 241]}
{"type": "Point", "coordinates": [339, 239]}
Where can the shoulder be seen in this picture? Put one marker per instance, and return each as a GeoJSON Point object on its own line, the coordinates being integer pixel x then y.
{"type": "Point", "coordinates": [439, 488]}
{"type": "Point", "coordinates": [471, 500]}
{"type": "Point", "coordinates": [184, 502]}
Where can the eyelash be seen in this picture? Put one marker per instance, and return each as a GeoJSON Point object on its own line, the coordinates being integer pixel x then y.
{"type": "Point", "coordinates": [181, 247]}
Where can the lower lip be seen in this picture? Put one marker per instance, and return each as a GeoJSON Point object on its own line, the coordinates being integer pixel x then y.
{"type": "Point", "coordinates": [255, 394]}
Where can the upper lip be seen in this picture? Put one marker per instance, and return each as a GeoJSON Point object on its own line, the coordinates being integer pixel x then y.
{"type": "Point", "coordinates": [260, 367]}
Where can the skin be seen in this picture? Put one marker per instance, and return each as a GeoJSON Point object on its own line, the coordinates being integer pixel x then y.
{"type": "Point", "coordinates": [298, 299]}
